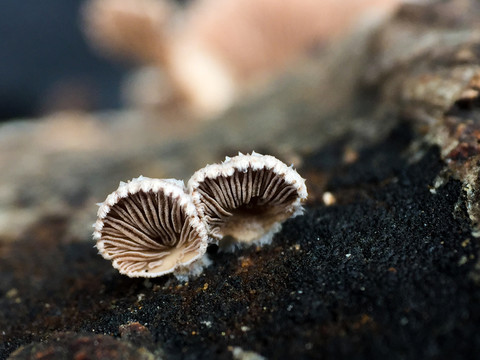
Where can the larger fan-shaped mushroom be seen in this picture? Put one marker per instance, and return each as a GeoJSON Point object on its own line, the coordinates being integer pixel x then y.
{"type": "Point", "coordinates": [247, 197]}
{"type": "Point", "coordinates": [150, 227]}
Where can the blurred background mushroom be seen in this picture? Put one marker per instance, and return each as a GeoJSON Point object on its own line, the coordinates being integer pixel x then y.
{"type": "Point", "coordinates": [209, 53]}
{"type": "Point", "coordinates": [200, 54]}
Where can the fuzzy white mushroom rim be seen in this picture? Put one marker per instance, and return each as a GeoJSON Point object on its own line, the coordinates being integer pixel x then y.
{"type": "Point", "coordinates": [247, 197]}
{"type": "Point", "coordinates": [150, 227]}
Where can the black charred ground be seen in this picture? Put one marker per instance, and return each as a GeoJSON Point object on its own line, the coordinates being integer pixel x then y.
{"type": "Point", "coordinates": [383, 272]}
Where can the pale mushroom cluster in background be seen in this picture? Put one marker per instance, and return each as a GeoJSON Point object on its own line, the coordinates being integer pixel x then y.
{"type": "Point", "coordinates": [209, 53]}
{"type": "Point", "coordinates": [152, 227]}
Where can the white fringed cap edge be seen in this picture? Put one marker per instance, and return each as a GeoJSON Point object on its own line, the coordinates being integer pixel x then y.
{"type": "Point", "coordinates": [171, 187]}
{"type": "Point", "coordinates": [242, 162]}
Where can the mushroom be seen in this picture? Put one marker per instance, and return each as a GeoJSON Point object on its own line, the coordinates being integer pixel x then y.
{"type": "Point", "coordinates": [150, 227]}
{"type": "Point", "coordinates": [247, 197]}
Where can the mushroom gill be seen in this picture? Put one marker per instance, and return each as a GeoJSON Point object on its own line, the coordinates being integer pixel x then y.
{"type": "Point", "coordinates": [149, 227]}
{"type": "Point", "coordinates": [247, 197]}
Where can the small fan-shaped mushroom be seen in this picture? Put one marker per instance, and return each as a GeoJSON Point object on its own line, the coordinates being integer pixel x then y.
{"type": "Point", "coordinates": [247, 197]}
{"type": "Point", "coordinates": [150, 227]}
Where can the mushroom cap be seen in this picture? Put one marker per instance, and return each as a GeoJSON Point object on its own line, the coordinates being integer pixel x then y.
{"type": "Point", "coordinates": [149, 227]}
{"type": "Point", "coordinates": [134, 29]}
{"type": "Point", "coordinates": [247, 196]}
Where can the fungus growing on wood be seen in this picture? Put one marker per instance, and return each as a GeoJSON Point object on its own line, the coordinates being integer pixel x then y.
{"type": "Point", "coordinates": [247, 197]}
{"type": "Point", "coordinates": [150, 227]}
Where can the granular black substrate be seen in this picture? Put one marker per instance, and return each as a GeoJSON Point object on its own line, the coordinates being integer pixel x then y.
{"type": "Point", "coordinates": [384, 272]}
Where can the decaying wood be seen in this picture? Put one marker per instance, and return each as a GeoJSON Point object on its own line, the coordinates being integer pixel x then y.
{"type": "Point", "coordinates": [427, 61]}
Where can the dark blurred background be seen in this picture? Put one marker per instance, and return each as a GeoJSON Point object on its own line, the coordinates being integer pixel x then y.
{"type": "Point", "coordinates": [46, 64]}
